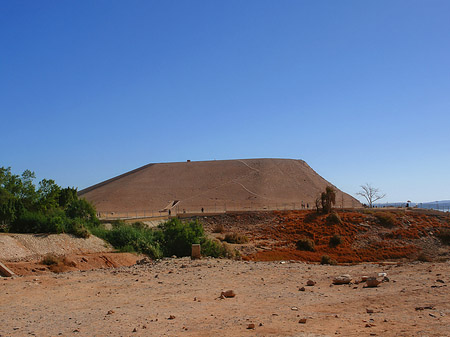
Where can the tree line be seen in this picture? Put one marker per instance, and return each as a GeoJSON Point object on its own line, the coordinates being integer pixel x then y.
{"type": "Point", "coordinates": [45, 208]}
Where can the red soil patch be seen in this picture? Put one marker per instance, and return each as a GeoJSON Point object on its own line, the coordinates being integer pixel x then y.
{"type": "Point", "coordinates": [363, 236]}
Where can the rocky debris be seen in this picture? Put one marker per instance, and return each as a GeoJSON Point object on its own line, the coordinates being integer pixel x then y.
{"type": "Point", "coordinates": [440, 281]}
{"type": "Point", "coordinates": [343, 279]}
{"type": "Point", "coordinates": [171, 317]}
{"type": "Point", "coordinates": [145, 260]}
{"type": "Point", "coordinates": [369, 311]}
{"type": "Point", "coordinates": [430, 307]}
{"type": "Point", "coordinates": [294, 308]}
{"type": "Point", "coordinates": [302, 320]}
{"type": "Point", "coordinates": [227, 294]}
{"type": "Point", "coordinates": [110, 312]}
{"type": "Point", "coordinates": [251, 326]}
{"type": "Point", "coordinates": [134, 330]}
{"type": "Point", "coordinates": [302, 289]}
{"type": "Point", "coordinates": [310, 283]}
{"type": "Point", "coordinates": [372, 282]}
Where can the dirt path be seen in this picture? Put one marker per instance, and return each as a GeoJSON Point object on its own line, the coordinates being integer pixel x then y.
{"type": "Point", "coordinates": [141, 300]}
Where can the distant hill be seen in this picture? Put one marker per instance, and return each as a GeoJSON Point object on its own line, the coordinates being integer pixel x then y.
{"type": "Point", "coordinates": [438, 205]}
{"type": "Point", "coordinates": [233, 184]}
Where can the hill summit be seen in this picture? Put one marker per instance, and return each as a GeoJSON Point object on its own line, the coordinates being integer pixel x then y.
{"type": "Point", "coordinates": [240, 184]}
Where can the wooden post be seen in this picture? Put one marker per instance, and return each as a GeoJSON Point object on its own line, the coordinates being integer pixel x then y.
{"type": "Point", "coordinates": [195, 251]}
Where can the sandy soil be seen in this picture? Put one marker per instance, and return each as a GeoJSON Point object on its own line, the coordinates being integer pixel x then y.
{"type": "Point", "coordinates": [180, 297]}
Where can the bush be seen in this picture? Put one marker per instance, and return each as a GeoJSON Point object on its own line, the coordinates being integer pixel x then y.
{"type": "Point", "coordinates": [335, 240]}
{"type": "Point", "coordinates": [139, 225]}
{"type": "Point", "coordinates": [130, 239]}
{"type": "Point", "coordinates": [77, 228]}
{"type": "Point", "coordinates": [216, 249]}
{"type": "Point", "coordinates": [444, 235]}
{"type": "Point", "coordinates": [423, 257]}
{"type": "Point", "coordinates": [306, 245]}
{"type": "Point", "coordinates": [334, 219]}
{"type": "Point", "coordinates": [50, 259]}
{"type": "Point", "coordinates": [178, 237]}
{"type": "Point", "coordinates": [235, 238]}
{"type": "Point", "coordinates": [325, 259]}
{"type": "Point", "coordinates": [385, 219]}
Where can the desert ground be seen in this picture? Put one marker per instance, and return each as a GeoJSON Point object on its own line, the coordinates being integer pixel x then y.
{"type": "Point", "coordinates": [181, 297]}
{"type": "Point", "coordinates": [93, 291]}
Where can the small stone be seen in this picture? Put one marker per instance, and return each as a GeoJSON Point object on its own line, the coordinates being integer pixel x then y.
{"type": "Point", "coordinates": [134, 330]}
{"type": "Point", "coordinates": [251, 326]}
{"type": "Point", "coordinates": [369, 311]}
{"type": "Point", "coordinates": [260, 324]}
{"type": "Point", "coordinates": [302, 289]}
{"type": "Point", "coordinates": [171, 317]}
{"type": "Point", "coordinates": [310, 283]}
{"type": "Point", "coordinates": [110, 312]}
{"type": "Point", "coordinates": [440, 281]}
{"type": "Point", "coordinates": [343, 279]}
{"type": "Point", "coordinates": [228, 294]}
{"type": "Point", "coordinates": [372, 282]}
{"type": "Point", "coordinates": [294, 308]}
{"type": "Point", "coordinates": [302, 320]}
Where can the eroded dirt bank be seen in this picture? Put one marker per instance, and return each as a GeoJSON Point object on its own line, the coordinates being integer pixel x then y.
{"type": "Point", "coordinates": [180, 297]}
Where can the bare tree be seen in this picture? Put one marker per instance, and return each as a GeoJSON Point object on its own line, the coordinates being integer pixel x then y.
{"type": "Point", "coordinates": [371, 194]}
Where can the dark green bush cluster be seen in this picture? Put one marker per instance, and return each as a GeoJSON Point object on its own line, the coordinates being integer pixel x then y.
{"type": "Point", "coordinates": [235, 238]}
{"type": "Point", "coordinates": [306, 244]}
{"type": "Point", "coordinates": [170, 238]}
{"type": "Point", "coordinates": [335, 240]}
{"type": "Point", "coordinates": [46, 209]}
{"type": "Point", "coordinates": [334, 219]}
{"type": "Point", "coordinates": [385, 219]}
{"type": "Point", "coordinates": [325, 259]}
{"type": "Point", "coordinates": [444, 235]}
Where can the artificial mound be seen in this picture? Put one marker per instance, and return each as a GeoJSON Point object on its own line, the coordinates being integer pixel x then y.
{"type": "Point", "coordinates": [212, 187]}
{"type": "Point", "coordinates": [366, 236]}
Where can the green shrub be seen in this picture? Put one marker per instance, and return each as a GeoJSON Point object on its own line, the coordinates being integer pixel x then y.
{"type": "Point", "coordinates": [334, 219]}
{"type": "Point", "coordinates": [178, 237]}
{"type": "Point", "coordinates": [325, 259]}
{"type": "Point", "coordinates": [385, 219]}
{"type": "Point", "coordinates": [306, 245]}
{"type": "Point", "coordinates": [335, 240]}
{"type": "Point", "coordinates": [444, 235]}
{"type": "Point", "coordinates": [235, 238]}
{"type": "Point", "coordinates": [77, 228]}
{"type": "Point", "coordinates": [139, 225]}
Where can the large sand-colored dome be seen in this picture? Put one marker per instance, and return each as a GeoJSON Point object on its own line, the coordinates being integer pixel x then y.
{"type": "Point", "coordinates": [223, 184]}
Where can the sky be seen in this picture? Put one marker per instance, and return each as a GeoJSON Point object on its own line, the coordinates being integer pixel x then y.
{"type": "Point", "coordinates": [360, 90]}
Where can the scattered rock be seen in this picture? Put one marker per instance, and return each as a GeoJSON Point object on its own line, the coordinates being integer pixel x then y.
{"type": "Point", "coordinates": [145, 260]}
{"type": "Point", "coordinates": [171, 317]}
{"type": "Point", "coordinates": [110, 312]}
{"type": "Point", "coordinates": [294, 308]}
{"type": "Point", "coordinates": [369, 311]}
{"type": "Point", "coordinates": [310, 283]}
{"type": "Point", "coordinates": [302, 320]}
{"type": "Point", "coordinates": [302, 289]}
{"type": "Point", "coordinates": [440, 281]}
{"type": "Point", "coordinates": [227, 294]}
{"type": "Point", "coordinates": [134, 330]}
{"type": "Point", "coordinates": [372, 282]}
{"type": "Point", "coordinates": [251, 326]}
{"type": "Point", "coordinates": [430, 307]}
{"type": "Point", "coordinates": [343, 279]}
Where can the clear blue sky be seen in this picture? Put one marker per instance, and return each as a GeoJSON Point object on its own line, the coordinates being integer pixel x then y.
{"type": "Point", "coordinates": [360, 90]}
